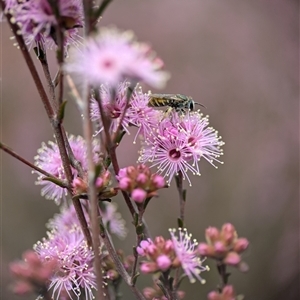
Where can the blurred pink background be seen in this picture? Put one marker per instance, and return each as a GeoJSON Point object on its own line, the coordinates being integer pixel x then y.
{"type": "Point", "coordinates": [238, 58]}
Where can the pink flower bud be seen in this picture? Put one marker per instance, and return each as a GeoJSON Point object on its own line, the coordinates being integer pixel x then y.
{"type": "Point", "coordinates": [228, 291]}
{"type": "Point", "coordinates": [142, 248]}
{"type": "Point", "coordinates": [158, 181]}
{"type": "Point", "coordinates": [211, 234]}
{"type": "Point", "coordinates": [99, 182]}
{"type": "Point", "coordinates": [124, 183]}
{"type": "Point", "coordinates": [169, 246]}
{"type": "Point", "coordinates": [220, 248]}
{"type": "Point", "coordinates": [122, 173]}
{"type": "Point", "coordinates": [138, 195]}
{"type": "Point", "coordinates": [241, 245]}
{"type": "Point", "coordinates": [148, 267]}
{"type": "Point", "coordinates": [131, 171]}
{"type": "Point", "coordinates": [213, 296]}
{"type": "Point", "coordinates": [148, 292]}
{"type": "Point", "coordinates": [163, 262]}
{"type": "Point", "coordinates": [228, 233]}
{"type": "Point", "coordinates": [203, 249]}
{"type": "Point", "coordinates": [232, 258]}
{"type": "Point", "coordinates": [141, 178]}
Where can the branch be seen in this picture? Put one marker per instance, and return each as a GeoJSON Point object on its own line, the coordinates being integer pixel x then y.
{"type": "Point", "coordinates": [26, 162]}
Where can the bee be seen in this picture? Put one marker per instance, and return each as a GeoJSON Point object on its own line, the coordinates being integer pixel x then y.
{"type": "Point", "coordinates": [173, 101]}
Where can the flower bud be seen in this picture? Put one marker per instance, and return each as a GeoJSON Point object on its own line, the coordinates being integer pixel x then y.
{"type": "Point", "coordinates": [220, 248]}
{"type": "Point", "coordinates": [232, 258]}
{"type": "Point", "coordinates": [241, 245]}
{"type": "Point", "coordinates": [228, 233]}
{"type": "Point", "coordinates": [163, 262]}
{"type": "Point", "coordinates": [211, 234]}
{"type": "Point", "coordinates": [148, 267]}
{"type": "Point", "coordinates": [138, 195]}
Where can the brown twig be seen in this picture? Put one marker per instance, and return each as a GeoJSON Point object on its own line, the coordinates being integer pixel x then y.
{"type": "Point", "coordinates": [29, 164]}
{"type": "Point", "coordinates": [181, 193]}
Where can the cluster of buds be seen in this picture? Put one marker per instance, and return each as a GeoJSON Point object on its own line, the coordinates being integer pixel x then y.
{"type": "Point", "coordinates": [155, 293]}
{"type": "Point", "coordinates": [32, 275]}
{"type": "Point", "coordinates": [109, 267]}
{"type": "Point", "coordinates": [139, 182]}
{"type": "Point", "coordinates": [160, 254]}
{"type": "Point", "coordinates": [102, 183]}
{"type": "Point", "coordinates": [224, 246]}
{"type": "Point", "coordinates": [227, 293]}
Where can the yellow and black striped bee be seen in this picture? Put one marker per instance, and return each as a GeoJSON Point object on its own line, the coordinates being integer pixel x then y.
{"type": "Point", "coordinates": [177, 101]}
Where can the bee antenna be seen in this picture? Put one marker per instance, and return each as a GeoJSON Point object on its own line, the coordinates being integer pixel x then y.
{"type": "Point", "coordinates": [200, 104]}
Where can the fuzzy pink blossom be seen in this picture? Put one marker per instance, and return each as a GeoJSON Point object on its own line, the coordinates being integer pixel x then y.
{"type": "Point", "coordinates": [75, 261]}
{"type": "Point", "coordinates": [111, 56]}
{"type": "Point", "coordinates": [185, 248]}
{"type": "Point", "coordinates": [179, 142]}
{"type": "Point", "coordinates": [49, 159]}
{"type": "Point", "coordinates": [37, 20]}
{"type": "Point", "coordinates": [138, 113]}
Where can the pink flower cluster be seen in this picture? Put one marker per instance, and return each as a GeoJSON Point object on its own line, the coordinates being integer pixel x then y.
{"type": "Point", "coordinates": [179, 142]}
{"type": "Point", "coordinates": [179, 251]}
{"type": "Point", "coordinates": [140, 182]}
{"type": "Point", "coordinates": [32, 274]}
{"type": "Point", "coordinates": [66, 244]}
{"type": "Point", "coordinates": [138, 113]}
{"type": "Point", "coordinates": [37, 19]}
{"type": "Point", "coordinates": [225, 246]}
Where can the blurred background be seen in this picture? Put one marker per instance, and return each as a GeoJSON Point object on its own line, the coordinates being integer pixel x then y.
{"type": "Point", "coordinates": [238, 58]}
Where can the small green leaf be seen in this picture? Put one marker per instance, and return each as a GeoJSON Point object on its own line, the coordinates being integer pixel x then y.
{"type": "Point", "coordinates": [61, 111]}
{"type": "Point", "coordinates": [134, 278]}
{"type": "Point", "coordinates": [180, 223]}
{"type": "Point", "coordinates": [98, 170]}
{"type": "Point", "coordinates": [135, 219]}
{"type": "Point", "coordinates": [139, 229]}
{"type": "Point", "coordinates": [55, 181]}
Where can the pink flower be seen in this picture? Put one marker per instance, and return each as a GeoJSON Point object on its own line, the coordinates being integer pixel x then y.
{"type": "Point", "coordinates": [140, 182]}
{"type": "Point", "coordinates": [75, 260]}
{"type": "Point", "coordinates": [179, 142]}
{"type": "Point", "coordinates": [113, 219]}
{"type": "Point", "coordinates": [111, 56]}
{"type": "Point", "coordinates": [185, 249]}
{"type": "Point", "coordinates": [138, 113]}
{"type": "Point", "coordinates": [37, 20]}
{"type": "Point", "coordinates": [49, 159]}
{"type": "Point", "coordinates": [138, 195]}
{"type": "Point", "coordinates": [163, 262]}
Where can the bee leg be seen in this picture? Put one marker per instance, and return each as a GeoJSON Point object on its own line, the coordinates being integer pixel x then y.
{"type": "Point", "coordinates": [167, 112]}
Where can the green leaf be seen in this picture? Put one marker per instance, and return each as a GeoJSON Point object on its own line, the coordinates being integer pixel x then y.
{"type": "Point", "coordinates": [139, 229]}
{"type": "Point", "coordinates": [55, 181]}
{"type": "Point", "coordinates": [135, 277]}
{"type": "Point", "coordinates": [61, 111]}
{"type": "Point", "coordinates": [180, 223]}
{"type": "Point", "coordinates": [98, 170]}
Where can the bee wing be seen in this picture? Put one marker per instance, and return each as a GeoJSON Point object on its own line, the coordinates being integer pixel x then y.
{"type": "Point", "coordinates": [172, 97]}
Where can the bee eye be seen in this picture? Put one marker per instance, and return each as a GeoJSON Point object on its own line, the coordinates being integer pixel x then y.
{"type": "Point", "coordinates": [192, 105]}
